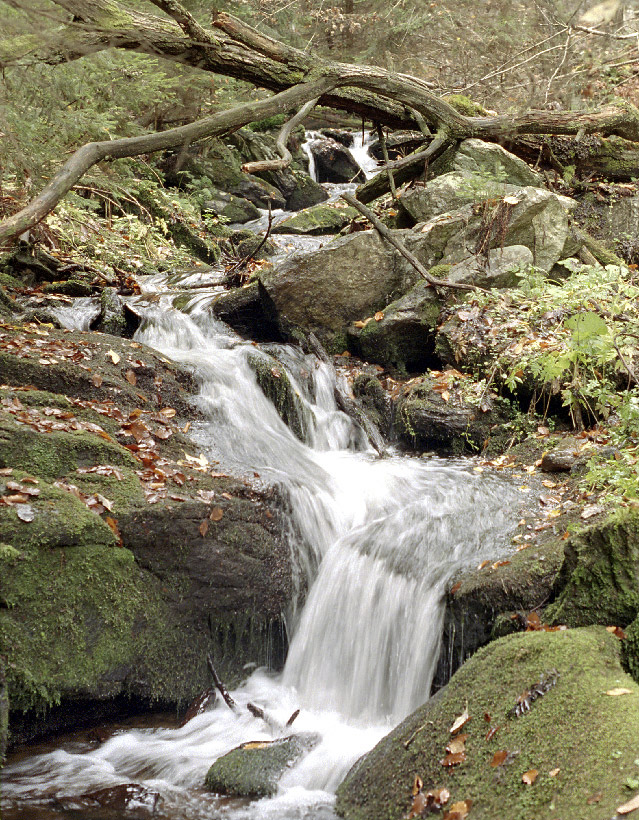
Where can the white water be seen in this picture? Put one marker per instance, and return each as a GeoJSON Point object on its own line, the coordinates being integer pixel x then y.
{"type": "Point", "coordinates": [379, 539]}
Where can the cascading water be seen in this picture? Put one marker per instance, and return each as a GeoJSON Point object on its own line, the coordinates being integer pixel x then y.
{"type": "Point", "coordinates": [378, 541]}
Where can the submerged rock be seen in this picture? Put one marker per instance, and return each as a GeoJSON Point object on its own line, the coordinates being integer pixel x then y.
{"type": "Point", "coordinates": [572, 749]}
{"type": "Point", "coordinates": [318, 220]}
{"type": "Point", "coordinates": [254, 769]}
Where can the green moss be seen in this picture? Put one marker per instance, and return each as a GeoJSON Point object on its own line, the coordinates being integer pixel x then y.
{"type": "Point", "coordinates": [269, 123]}
{"type": "Point", "coordinates": [588, 736]}
{"type": "Point", "coordinates": [599, 580]}
{"type": "Point", "coordinates": [440, 271]}
{"type": "Point", "coordinates": [319, 219]}
{"type": "Point", "coordinates": [276, 385]}
{"type": "Point", "coordinates": [464, 105]}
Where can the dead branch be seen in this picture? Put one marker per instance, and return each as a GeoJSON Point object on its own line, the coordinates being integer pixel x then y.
{"type": "Point", "coordinates": [396, 243]}
{"type": "Point", "coordinates": [280, 144]}
{"type": "Point", "coordinates": [220, 686]}
{"type": "Point", "coordinates": [389, 172]}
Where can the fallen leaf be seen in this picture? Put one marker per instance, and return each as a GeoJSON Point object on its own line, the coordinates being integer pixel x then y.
{"type": "Point", "coordinates": [113, 356]}
{"type": "Point", "coordinates": [418, 784]}
{"type": "Point", "coordinates": [204, 527]}
{"type": "Point", "coordinates": [455, 588]}
{"type": "Point", "coordinates": [96, 379]}
{"type": "Point", "coordinates": [498, 758]}
{"type": "Point", "coordinates": [460, 721]}
{"type": "Point", "coordinates": [500, 564]}
{"type": "Point", "coordinates": [457, 745]}
{"type": "Point", "coordinates": [113, 526]}
{"type": "Point", "coordinates": [616, 630]}
{"type": "Point", "coordinates": [594, 798]}
{"type": "Point", "coordinates": [453, 759]}
{"type": "Point", "coordinates": [167, 412]}
{"type": "Point", "coordinates": [379, 316]}
{"type": "Point", "coordinates": [445, 395]}
{"type": "Point", "coordinates": [618, 691]}
{"type": "Point", "coordinates": [131, 377]}
{"type": "Point", "coordinates": [554, 772]}
{"type": "Point", "coordinates": [459, 810]}
{"type": "Point", "coordinates": [530, 776]}
{"type": "Point", "coordinates": [631, 805]}
{"type": "Point", "coordinates": [492, 732]}
{"type": "Point", "coordinates": [216, 514]}
{"type": "Point", "coordinates": [483, 564]}
{"type": "Point", "coordinates": [25, 512]}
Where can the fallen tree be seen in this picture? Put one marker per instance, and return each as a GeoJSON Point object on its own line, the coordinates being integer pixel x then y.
{"type": "Point", "coordinates": [232, 48]}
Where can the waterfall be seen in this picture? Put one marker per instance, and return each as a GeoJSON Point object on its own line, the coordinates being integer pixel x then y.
{"type": "Point", "coordinates": [379, 540]}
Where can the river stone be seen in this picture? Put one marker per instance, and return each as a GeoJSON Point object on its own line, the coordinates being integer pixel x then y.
{"type": "Point", "coordinates": [232, 208]}
{"type": "Point", "coordinates": [244, 310]}
{"type": "Point", "coordinates": [277, 386]}
{"type": "Point", "coordinates": [404, 338]}
{"type": "Point", "coordinates": [254, 769]}
{"type": "Point", "coordinates": [425, 419]}
{"type": "Point", "coordinates": [116, 316]}
{"type": "Point", "coordinates": [589, 737]}
{"type": "Point", "coordinates": [318, 220]}
{"type": "Point", "coordinates": [488, 160]}
{"type": "Point", "coordinates": [599, 578]}
{"type": "Point", "coordinates": [347, 280]}
{"type": "Point", "coordinates": [334, 162]}
{"type": "Point", "coordinates": [562, 457]}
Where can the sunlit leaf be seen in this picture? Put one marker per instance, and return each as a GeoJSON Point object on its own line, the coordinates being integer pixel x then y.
{"type": "Point", "coordinates": [530, 776]}
{"type": "Point", "coordinates": [113, 356]}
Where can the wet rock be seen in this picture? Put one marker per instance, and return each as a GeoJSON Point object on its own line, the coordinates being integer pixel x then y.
{"type": "Point", "coordinates": [247, 313]}
{"type": "Point", "coordinates": [375, 401]}
{"type": "Point", "coordinates": [127, 797]}
{"type": "Point", "coordinates": [334, 162]}
{"type": "Point", "coordinates": [404, 338]}
{"type": "Point", "coordinates": [306, 193]}
{"type": "Point", "coordinates": [347, 280]}
{"type": "Point", "coordinates": [232, 208]}
{"type": "Point", "coordinates": [252, 246]}
{"type": "Point", "coordinates": [318, 220]}
{"type": "Point", "coordinates": [577, 668]}
{"type": "Point", "coordinates": [276, 385]}
{"type": "Point", "coordinates": [599, 577]}
{"type": "Point", "coordinates": [444, 420]}
{"type": "Point", "coordinates": [344, 138]}
{"type": "Point", "coordinates": [486, 598]}
{"type": "Point", "coordinates": [631, 649]}
{"type": "Point", "coordinates": [70, 287]}
{"type": "Point", "coordinates": [116, 317]}
{"type": "Point", "coordinates": [488, 160]}
{"type": "Point", "coordinates": [254, 769]}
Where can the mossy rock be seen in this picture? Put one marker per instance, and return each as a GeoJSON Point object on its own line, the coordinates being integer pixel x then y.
{"type": "Point", "coordinates": [70, 287]}
{"type": "Point", "coordinates": [276, 386]}
{"type": "Point", "coordinates": [599, 579]}
{"type": "Point", "coordinates": [320, 219]}
{"type": "Point", "coordinates": [631, 649]}
{"type": "Point", "coordinates": [582, 741]}
{"type": "Point", "coordinates": [254, 769]}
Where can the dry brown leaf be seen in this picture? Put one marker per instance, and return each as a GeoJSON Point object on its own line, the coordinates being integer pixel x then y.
{"type": "Point", "coordinates": [167, 412]}
{"type": "Point", "coordinates": [554, 772]}
{"type": "Point", "coordinates": [453, 759]}
{"type": "Point", "coordinates": [379, 316]}
{"type": "Point", "coordinates": [457, 744]}
{"type": "Point", "coordinates": [460, 721]}
{"type": "Point", "coordinates": [530, 776]}
{"type": "Point", "coordinates": [619, 690]}
{"type": "Point", "coordinates": [113, 526]}
{"type": "Point", "coordinates": [445, 395]}
{"type": "Point", "coordinates": [615, 630]}
{"type": "Point", "coordinates": [492, 732]}
{"type": "Point", "coordinates": [455, 588]}
{"type": "Point", "coordinates": [459, 810]}
{"type": "Point", "coordinates": [96, 379]}
{"type": "Point", "coordinates": [594, 798]}
{"type": "Point", "coordinates": [498, 758]}
{"type": "Point", "coordinates": [418, 784]}
{"type": "Point", "coordinates": [483, 564]}
{"type": "Point", "coordinates": [631, 805]}
{"type": "Point", "coordinates": [131, 377]}
{"type": "Point", "coordinates": [204, 527]}
{"type": "Point", "coordinates": [217, 514]}
{"type": "Point", "coordinates": [113, 356]}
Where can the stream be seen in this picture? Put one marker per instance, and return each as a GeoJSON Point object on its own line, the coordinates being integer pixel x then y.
{"type": "Point", "coordinates": [377, 540]}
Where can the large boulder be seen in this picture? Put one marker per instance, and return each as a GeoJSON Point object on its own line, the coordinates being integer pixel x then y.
{"type": "Point", "coordinates": [334, 162]}
{"type": "Point", "coordinates": [551, 732]}
{"type": "Point", "coordinates": [490, 161]}
{"type": "Point", "coordinates": [254, 768]}
{"type": "Point", "coordinates": [347, 280]}
{"type": "Point", "coordinates": [232, 208]}
{"type": "Point", "coordinates": [122, 562]}
{"type": "Point", "coordinates": [599, 578]}
{"type": "Point", "coordinates": [499, 268]}
{"type": "Point", "coordinates": [537, 219]}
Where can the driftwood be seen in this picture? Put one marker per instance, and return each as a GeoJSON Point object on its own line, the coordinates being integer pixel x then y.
{"type": "Point", "coordinates": [344, 402]}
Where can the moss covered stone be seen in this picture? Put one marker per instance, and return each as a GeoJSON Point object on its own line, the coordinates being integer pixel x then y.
{"type": "Point", "coordinates": [579, 739]}
{"type": "Point", "coordinates": [599, 579]}
{"type": "Point", "coordinates": [277, 386]}
{"type": "Point", "coordinates": [254, 769]}
{"type": "Point", "coordinates": [320, 219]}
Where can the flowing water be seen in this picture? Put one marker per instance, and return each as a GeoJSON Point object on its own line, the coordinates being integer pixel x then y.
{"type": "Point", "coordinates": [377, 540]}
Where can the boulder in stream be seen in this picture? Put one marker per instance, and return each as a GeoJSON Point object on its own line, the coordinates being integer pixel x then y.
{"type": "Point", "coordinates": [334, 162]}
{"type": "Point", "coordinates": [318, 220]}
{"type": "Point", "coordinates": [547, 728]}
{"type": "Point", "coordinates": [254, 769]}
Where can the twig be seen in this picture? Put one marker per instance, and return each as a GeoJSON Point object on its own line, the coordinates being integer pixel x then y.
{"type": "Point", "coordinates": [410, 257]}
{"type": "Point", "coordinates": [222, 689]}
{"type": "Point", "coordinates": [559, 66]}
{"type": "Point", "coordinates": [244, 260]}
